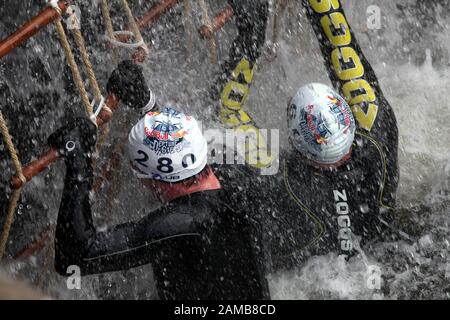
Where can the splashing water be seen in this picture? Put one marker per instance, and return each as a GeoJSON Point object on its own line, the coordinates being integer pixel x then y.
{"type": "Point", "coordinates": [417, 267]}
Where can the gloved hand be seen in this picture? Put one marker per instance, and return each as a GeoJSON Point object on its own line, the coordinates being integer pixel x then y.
{"type": "Point", "coordinates": [128, 83]}
{"type": "Point", "coordinates": [75, 142]}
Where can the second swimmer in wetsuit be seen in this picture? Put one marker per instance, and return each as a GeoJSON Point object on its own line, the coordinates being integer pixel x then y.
{"type": "Point", "coordinates": [337, 185]}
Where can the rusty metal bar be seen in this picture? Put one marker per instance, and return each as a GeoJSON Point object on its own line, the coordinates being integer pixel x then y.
{"type": "Point", "coordinates": [34, 246]}
{"type": "Point", "coordinates": [37, 166]}
{"type": "Point", "coordinates": [219, 21]}
{"type": "Point", "coordinates": [48, 15]}
{"type": "Point", "coordinates": [30, 28]}
{"type": "Point", "coordinates": [156, 12]}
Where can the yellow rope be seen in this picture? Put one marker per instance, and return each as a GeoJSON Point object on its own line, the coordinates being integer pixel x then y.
{"type": "Point", "coordinates": [101, 141]}
{"type": "Point", "coordinates": [10, 145]}
{"type": "Point", "coordinates": [105, 133]}
{"type": "Point", "coordinates": [107, 18]}
{"type": "Point", "coordinates": [212, 41]}
{"type": "Point", "coordinates": [9, 220]}
{"type": "Point", "coordinates": [132, 23]}
{"type": "Point", "coordinates": [94, 84]}
{"type": "Point", "coordinates": [16, 194]}
{"type": "Point", "coordinates": [108, 26]}
{"type": "Point", "coordinates": [79, 40]}
{"type": "Point", "coordinates": [92, 79]}
{"type": "Point", "coordinates": [73, 66]}
{"type": "Point", "coordinates": [110, 32]}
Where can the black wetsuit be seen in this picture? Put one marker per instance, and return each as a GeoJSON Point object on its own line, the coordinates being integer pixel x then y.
{"type": "Point", "coordinates": [311, 211]}
{"type": "Point", "coordinates": [318, 211]}
{"type": "Point", "coordinates": [199, 244]}
{"type": "Point", "coordinates": [251, 21]}
{"type": "Point", "coordinates": [291, 211]}
{"type": "Point", "coordinates": [233, 85]}
{"type": "Point", "coordinates": [303, 210]}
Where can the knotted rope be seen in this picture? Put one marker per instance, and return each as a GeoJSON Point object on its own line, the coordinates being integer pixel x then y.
{"type": "Point", "coordinates": [73, 67]}
{"type": "Point", "coordinates": [79, 40]}
{"type": "Point", "coordinates": [133, 24]}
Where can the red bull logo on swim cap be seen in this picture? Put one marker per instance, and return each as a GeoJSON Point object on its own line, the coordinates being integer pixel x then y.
{"type": "Point", "coordinates": [168, 126]}
{"type": "Point", "coordinates": [333, 99]}
{"type": "Point", "coordinates": [319, 127]}
{"type": "Point", "coordinates": [166, 132]}
{"type": "Point", "coordinates": [167, 146]}
{"type": "Point", "coordinates": [316, 125]}
{"type": "Point", "coordinates": [321, 123]}
{"type": "Point", "coordinates": [342, 112]}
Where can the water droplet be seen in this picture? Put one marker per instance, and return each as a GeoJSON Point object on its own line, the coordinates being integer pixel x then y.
{"type": "Point", "coordinates": [364, 208]}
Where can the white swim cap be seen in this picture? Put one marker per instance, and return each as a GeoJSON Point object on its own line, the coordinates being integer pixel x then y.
{"type": "Point", "coordinates": [321, 124]}
{"type": "Point", "coordinates": [167, 146]}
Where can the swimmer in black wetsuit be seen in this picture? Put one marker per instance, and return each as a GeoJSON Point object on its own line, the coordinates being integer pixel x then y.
{"type": "Point", "coordinates": [313, 206]}
{"type": "Point", "coordinates": [199, 241]}
{"type": "Point", "coordinates": [336, 188]}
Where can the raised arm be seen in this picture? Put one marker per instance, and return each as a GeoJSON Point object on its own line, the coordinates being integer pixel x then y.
{"type": "Point", "coordinates": [351, 74]}
{"type": "Point", "coordinates": [349, 70]}
{"type": "Point", "coordinates": [233, 85]}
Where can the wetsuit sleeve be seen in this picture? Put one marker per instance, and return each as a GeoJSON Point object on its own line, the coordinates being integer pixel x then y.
{"type": "Point", "coordinates": [251, 22]}
{"type": "Point", "coordinates": [348, 68]}
{"type": "Point", "coordinates": [351, 73]}
{"type": "Point", "coordinates": [233, 84]}
{"type": "Point", "coordinates": [121, 247]}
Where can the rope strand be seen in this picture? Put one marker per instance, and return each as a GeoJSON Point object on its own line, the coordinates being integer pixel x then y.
{"type": "Point", "coordinates": [11, 149]}
{"type": "Point", "coordinates": [87, 64]}
{"type": "Point", "coordinates": [107, 18]}
{"type": "Point", "coordinates": [9, 220]}
{"type": "Point", "coordinates": [73, 66]}
{"type": "Point", "coordinates": [133, 24]}
{"type": "Point", "coordinates": [16, 194]}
